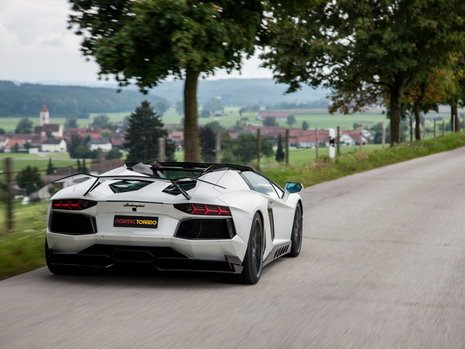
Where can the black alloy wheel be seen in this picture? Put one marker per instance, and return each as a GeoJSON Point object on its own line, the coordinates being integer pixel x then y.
{"type": "Point", "coordinates": [253, 261]}
{"type": "Point", "coordinates": [296, 235]}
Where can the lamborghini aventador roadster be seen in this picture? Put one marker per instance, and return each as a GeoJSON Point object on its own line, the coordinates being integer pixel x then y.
{"type": "Point", "coordinates": [174, 216]}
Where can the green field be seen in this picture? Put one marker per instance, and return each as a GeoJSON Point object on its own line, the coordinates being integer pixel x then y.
{"type": "Point", "coordinates": [20, 161]}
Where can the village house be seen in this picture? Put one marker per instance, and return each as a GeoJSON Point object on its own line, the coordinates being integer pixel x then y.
{"type": "Point", "coordinates": [102, 144]}
{"type": "Point", "coordinates": [45, 128]}
{"type": "Point", "coordinates": [54, 145]}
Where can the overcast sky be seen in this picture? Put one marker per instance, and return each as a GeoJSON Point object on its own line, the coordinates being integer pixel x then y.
{"type": "Point", "coordinates": [37, 47]}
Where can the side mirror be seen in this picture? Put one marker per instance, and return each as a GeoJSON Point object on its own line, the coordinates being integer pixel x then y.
{"type": "Point", "coordinates": [292, 187]}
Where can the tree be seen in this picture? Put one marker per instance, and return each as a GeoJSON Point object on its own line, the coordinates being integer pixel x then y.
{"type": "Point", "coordinates": [50, 168]}
{"type": "Point", "coordinates": [269, 121]}
{"type": "Point", "coordinates": [279, 156]}
{"type": "Point", "coordinates": [244, 149]}
{"type": "Point", "coordinates": [71, 122]}
{"type": "Point", "coordinates": [161, 108]}
{"type": "Point", "coordinates": [78, 148]}
{"type": "Point", "coordinates": [214, 125]}
{"type": "Point", "coordinates": [207, 144]}
{"type": "Point", "coordinates": [365, 51]}
{"type": "Point", "coordinates": [103, 122]}
{"type": "Point", "coordinates": [24, 126]}
{"type": "Point", "coordinates": [213, 105]}
{"type": "Point", "coordinates": [305, 125]}
{"type": "Point", "coordinates": [114, 153]}
{"type": "Point", "coordinates": [2, 131]}
{"type": "Point", "coordinates": [291, 120]}
{"type": "Point", "coordinates": [147, 41]}
{"type": "Point", "coordinates": [180, 108]}
{"type": "Point", "coordinates": [29, 179]}
{"type": "Point", "coordinates": [142, 137]}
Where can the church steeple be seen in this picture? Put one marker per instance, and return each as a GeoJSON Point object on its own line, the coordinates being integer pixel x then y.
{"type": "Point", "coordinates": [44, 116]}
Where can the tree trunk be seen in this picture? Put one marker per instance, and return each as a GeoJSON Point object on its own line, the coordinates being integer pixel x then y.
{"type": "Point", "coordinates": [394, 111]}
{"type": "Point", "coordinates": [417, 122]}
{"type": "Point", "coordinates": [454, 117]}
{"type": "Point", "coordinates": [191, 130]}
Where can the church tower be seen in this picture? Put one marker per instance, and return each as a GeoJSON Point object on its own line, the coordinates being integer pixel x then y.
{"type": "Point", "coordinates": [44, 116]}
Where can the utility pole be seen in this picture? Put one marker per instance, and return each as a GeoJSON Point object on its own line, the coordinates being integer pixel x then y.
{"type": "Point", "coordinates": [443, 127]}
{"type": "Point", "coordinates": [287, 147]}
{"type": "Point", "coordinates": [434, 129]}
{"type": "Point", "coordinates": [383, 135]}
{"type": "Point", "coordinates": [338, 141]}
{"type": "Point", "coordinates": [316, 143]}
{"type": "Point", "coordinates": [259, 149]}
{"type": "Point", "coordinates": [9, 193]}
{"type": "Point", "coordinates": [218, 147]}
{"type": "Point", "coordinates": [361, 135]}
{"type": "Point", "coordinates": [161, 149]}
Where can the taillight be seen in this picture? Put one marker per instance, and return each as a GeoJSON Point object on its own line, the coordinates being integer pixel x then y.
{"type": "Point", "coordinates": [204, 210]}
{"type": "Point", "coordinates": [72, 204]}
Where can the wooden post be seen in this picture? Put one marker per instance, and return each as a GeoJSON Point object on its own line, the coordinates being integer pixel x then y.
{"type": "Point", "coordinates": [443, 127]}
{"type": "Point", "coordinates": [434, 129]}
{"type": "Point", "coordinates": [361, 134]}
{"type": "Point", "coordinates": [259, 149]}
{"type": "Point", "coordinates": [9, 193]}
{"type": "Point", "coordinates": [218, 147]}
{"type": "Point", "coordinates": [287, 147]}
{"type": "Point", "coordinates": [411, 128]}
{"type": "Point", "coordinates": [316, 144]}
{"type": "Point", "coordinates": [161, 149]}
{"type": "Point", "coordinates": [383, 135]}
{"type": "Point", "coordinates": [338, 141]}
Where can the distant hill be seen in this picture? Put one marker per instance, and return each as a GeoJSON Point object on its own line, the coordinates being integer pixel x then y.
{"type": "Point", "coordinates": [241, 92]}
{"type": "Point", "coordinates": [26, 99]}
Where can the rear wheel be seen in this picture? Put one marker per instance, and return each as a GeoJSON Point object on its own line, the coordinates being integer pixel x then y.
{"type": "Point", "coordinates": [296, 235]}
{"type": "Point", "coordinates": [253, 261]}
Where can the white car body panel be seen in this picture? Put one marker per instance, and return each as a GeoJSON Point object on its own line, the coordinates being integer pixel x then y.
{"type": "Point", "coordinates": [151, 201]}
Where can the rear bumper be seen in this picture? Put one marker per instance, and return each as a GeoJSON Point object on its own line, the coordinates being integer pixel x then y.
{"type": "Point", "coordinates": [162, 258]}
{"type": "Point", "coordinates": [165, 253]}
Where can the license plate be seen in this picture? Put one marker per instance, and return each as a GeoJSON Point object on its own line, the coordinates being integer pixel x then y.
{"type": "Point", "coordinates": [135, 222]}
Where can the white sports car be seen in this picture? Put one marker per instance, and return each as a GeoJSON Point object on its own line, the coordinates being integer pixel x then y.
{"type": "Point", "coordinates": [174, 216]}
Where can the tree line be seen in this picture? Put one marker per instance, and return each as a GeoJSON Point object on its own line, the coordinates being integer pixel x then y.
{"type": "Point", "coordinates": [62, 101]}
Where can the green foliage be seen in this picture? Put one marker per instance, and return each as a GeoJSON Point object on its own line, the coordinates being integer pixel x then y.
{"type": "Point", "coordinates": [114, 153]}
{"type": "Point", "coordinates": [147, 41]}
{"type": "Point", "coordinates": [50, 169]}
{"type": "Point", "coordinates": [161, 108]}
{"type": "Point", "coordinates": [102, 122]}
{"type": "Point", "coordinates": [144, 129]}
{"type": "Point", "coordinates": [365, 51]}
{"type": "Point", "coordinates": [214, 125]}
{"type": "Point", "coordinates": [78, 148]}
{"type": "Point", "coordinates": [213, 105]}
{"type": "Point", "coordinates": [207, 144]}
{"type": "Point", "coordinates": [279, 156]}
{"type": "Point", "coordinates": [269, 121]}
{"type": "Point", "coordinates": [290, 120]}
{"type": "Point", "coordinates": [62, 101]}
{"type": "Point", "coordinates": [24, 126]}
{"type": "Point", "coordinates": [29, 179]}
{"type": "Point", "coordinates": [2, 131]}
{"type": "Point", "coordinates": [244, 149]}
{"type": "Point", "coordinates": [305, 125]}
{"type": "Point", "coordinates": [71, 122]}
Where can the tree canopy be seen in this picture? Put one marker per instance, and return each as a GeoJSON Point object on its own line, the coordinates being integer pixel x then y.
{"type": "Point", "coordinates": [365, 51]}
{"type": "Point", "coordinates": [147, 41]}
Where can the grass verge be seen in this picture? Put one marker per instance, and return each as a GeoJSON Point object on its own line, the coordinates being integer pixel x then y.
{"type": "Point", "coordinates": [22, 249]}
{"type": "Point", "coordinates": [324, 169]}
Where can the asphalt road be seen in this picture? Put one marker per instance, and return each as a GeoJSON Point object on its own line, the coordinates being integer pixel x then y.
{"type": "Point", "coordinates": [382, 266]}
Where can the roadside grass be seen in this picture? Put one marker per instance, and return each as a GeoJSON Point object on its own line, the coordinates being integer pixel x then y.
{"type": "Point", "coordinates": [22, 249]}
{"type": "Point", "coordinates": [356, 161]}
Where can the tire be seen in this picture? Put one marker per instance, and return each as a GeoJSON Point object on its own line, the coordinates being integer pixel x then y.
{"type": "Point", "coordinates": [62, 269]}
{"type": "Point", "coordinates": [296, 235]}
{"type": "Point", "coordinates": [253, 261]}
